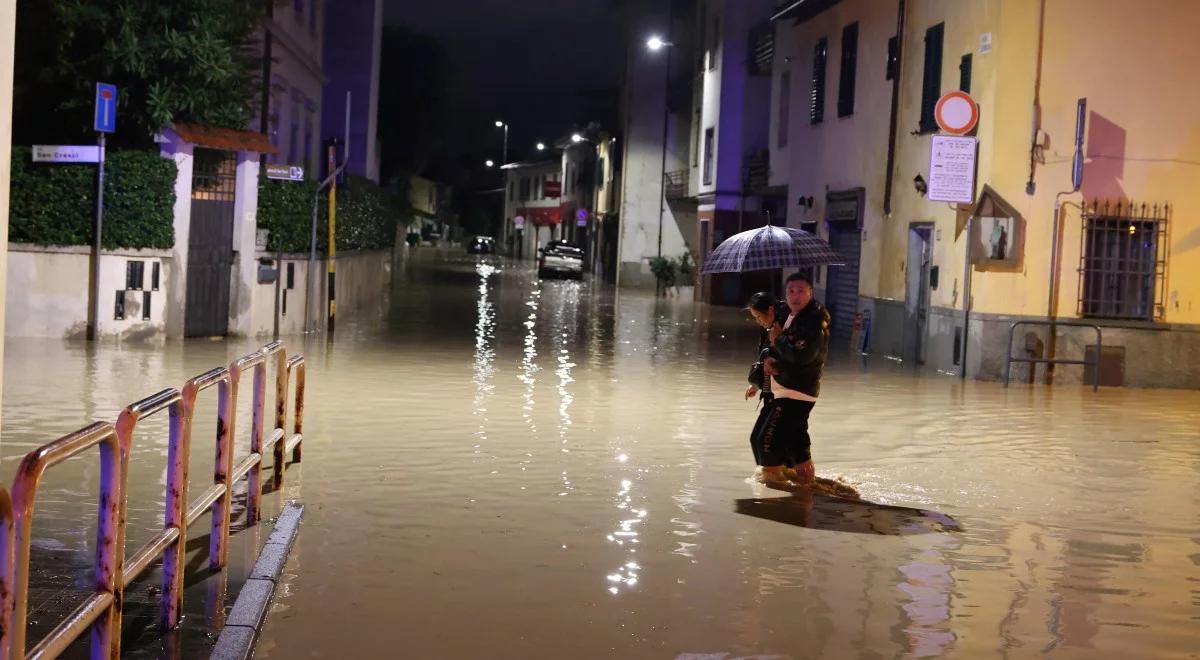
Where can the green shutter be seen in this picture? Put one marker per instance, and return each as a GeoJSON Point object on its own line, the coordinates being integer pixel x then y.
{"type": "Point", "coordinates": [931, 89]}
{"type": "Point", "coordinates": [964, 73]}
{"type": "Point", "coordinates": [816, 108]}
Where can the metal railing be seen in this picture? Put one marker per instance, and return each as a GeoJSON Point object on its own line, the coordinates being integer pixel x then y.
{"type": "Point", "coordinates": [1009, 359]}
{"type": "Point", "coordinates": [101, 612]}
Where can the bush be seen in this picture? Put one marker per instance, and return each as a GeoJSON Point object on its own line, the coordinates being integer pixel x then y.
{"type": "Point", "coordinates": [664, 271]}
{"type": "Point", "coordinates": [53, 204]}
{"type": "Point", "coordinates": [366, 218]}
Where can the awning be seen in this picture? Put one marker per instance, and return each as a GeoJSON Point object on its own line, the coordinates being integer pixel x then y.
{"type": "Point", "coordinates": [228, 139]}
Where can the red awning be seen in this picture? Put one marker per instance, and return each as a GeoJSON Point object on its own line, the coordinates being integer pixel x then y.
{"type": "Point", "coordinates": [541, 216]}
{"type": "Point", "coordinates": [224, 138]}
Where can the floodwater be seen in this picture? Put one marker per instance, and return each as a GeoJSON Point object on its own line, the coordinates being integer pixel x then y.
{"type": "Point", "coordinates": [497, 467]}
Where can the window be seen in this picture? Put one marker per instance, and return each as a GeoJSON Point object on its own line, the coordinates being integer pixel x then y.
{"type": "Point", "coordinates": [964, 73]}
{"type": "Point", "coordinates": [145, 305]}
{"type": "Point", "coordinates": [524, 188]}
{"type": "Point", "coordinates": [154, 275]}
{"type": "Point", "coordinates": [135, 272]}
{"type": "Point", "coordinates": [119, 307]}
{"type": "Point", "coordinates": [848, 73]}
{"type": "Point", "coordinates": [931, 85]}
{"type": "Point", "coordinates": [600, 172]}
{"type": "Point", "coordinates": [709, 148]}
{"type": "Point", "coordinates": [816, 107]}
{"type": "Point", "coordinates": [696, 140]}
{"type": "Point", "coordinates": [785, 95]}
{"type": "Point", "coordinates": [291, 275]}
{"type": "Point", "coordinates": [1123, 261]}
{"type": "Point", "coordinates": [893, 58]}
{"type": "Point", "coordinates": [512, 190]}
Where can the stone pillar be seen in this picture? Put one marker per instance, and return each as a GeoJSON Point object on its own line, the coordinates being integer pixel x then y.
{"type": "Point", "coordinates": [176, 276]}
{"type": "Point", "coordinates": [245, 262]}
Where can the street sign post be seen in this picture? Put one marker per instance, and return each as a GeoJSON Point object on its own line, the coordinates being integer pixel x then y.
{"type": "Point", "coordinates": [285, 172]}
{"type": "Point", "coordinates": [106, 108]}
{"type": "Point", "coordinates": [53, 153]}
{"type": "Point", "coordinates": [956, 113]}
{"type": "Point", "coordinates": [952, 169]}
{"type": "Point", "coordinates": [105, 122]}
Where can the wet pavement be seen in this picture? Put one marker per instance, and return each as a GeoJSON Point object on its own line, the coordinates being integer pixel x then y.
{"type": "Point", "coordinates": [497, 467]}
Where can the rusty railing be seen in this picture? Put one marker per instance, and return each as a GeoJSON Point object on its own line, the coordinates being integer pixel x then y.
{"type": "Point", "coordinates": [101, 611]}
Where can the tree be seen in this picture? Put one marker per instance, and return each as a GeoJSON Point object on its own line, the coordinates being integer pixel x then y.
{"type": "Point", "coordinates": [183, 60]}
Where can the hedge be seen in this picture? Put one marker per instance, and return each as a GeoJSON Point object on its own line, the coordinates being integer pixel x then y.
{"type": "Point", "coordinates": [53, 204]}
{"type": "Point", "coordinates": [366, 215]}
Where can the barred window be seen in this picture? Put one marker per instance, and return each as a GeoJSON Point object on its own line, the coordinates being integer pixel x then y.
{"type": "Point", "coordinates": [1123, 260]}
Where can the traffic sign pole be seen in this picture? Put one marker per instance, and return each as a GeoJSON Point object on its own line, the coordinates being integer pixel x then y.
{"type": "Point", "coordinates": [105, 121]}
{"type": "Point", "coordinates": [94, 327]}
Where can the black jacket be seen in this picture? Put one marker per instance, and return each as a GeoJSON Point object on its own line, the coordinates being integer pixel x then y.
{"type": "Point", "coordinates": [801, 350]}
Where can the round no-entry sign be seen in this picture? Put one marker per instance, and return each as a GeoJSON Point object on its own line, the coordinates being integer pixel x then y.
{"type": "Point", "coordinates": [956, 113]}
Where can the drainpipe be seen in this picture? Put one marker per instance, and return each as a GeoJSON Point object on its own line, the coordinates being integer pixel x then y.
{"type": "Point", "coordinates": [1031, 186]}
{"type": "Point", "coordinates": [1076, 183]}
{"type": "Point", "coordinates": [892, 127]}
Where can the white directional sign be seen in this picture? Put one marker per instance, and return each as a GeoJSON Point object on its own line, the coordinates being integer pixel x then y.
{"type": "Point", "coordinates": [952, 169]}
{"type": "Point", "coordinates": [54, 153]}
{"type": "Point", "coordinates": [285, 172]}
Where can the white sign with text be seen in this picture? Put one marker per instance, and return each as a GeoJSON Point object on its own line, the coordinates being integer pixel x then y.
{"type": "Point", "coordinates": [54, 153]}
{"type": "Point", "coordinates": [952, 169]}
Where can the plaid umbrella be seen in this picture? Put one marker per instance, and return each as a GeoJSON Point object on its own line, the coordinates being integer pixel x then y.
{"type": "Point", "coordinates": [770, 247]}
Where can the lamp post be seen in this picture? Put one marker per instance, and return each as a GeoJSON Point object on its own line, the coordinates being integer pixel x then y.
{"type": "Point", "coordinates": [504, 154]}
{"type": "Point", "coordinates": [656, 43]}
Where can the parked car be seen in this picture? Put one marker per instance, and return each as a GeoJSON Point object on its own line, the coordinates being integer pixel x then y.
{"type": "Point", "coordinates": [482, 245]}
{"type": "Point", "coordinates": [562, 259]}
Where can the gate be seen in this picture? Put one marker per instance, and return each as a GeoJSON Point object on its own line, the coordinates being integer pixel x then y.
{"type": "Point", "coordinates": [210, 243]}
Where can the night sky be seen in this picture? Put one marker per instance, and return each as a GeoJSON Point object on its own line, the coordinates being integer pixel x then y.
{"type": "Point", "coordinates": [526, 62]}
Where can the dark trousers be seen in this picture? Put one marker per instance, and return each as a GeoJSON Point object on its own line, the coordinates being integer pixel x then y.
{"type": "Point", "coordinates": [780, 435]}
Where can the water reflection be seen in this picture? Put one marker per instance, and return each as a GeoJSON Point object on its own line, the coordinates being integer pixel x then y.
{"type": "Point", "coordinates": [485, 352]}
{"type": "Point", "coordinates": [1077, 511]}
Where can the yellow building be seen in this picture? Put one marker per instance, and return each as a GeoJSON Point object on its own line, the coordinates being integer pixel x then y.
{"type": "Point", "coordinates": [1128, 244]}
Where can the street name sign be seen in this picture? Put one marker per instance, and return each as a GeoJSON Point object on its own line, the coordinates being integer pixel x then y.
{"type": "Point", "coordinates": [57, 153]}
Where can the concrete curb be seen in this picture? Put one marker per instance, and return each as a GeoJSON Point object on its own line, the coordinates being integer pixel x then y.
{"type": "Point", "coordinates": [249, 612]}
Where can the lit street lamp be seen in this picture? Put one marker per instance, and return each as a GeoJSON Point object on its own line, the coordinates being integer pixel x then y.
{"type": "Point", "coordinates": [504, 154]}
{"type": "Point", "coordinates": [541, 146]}
{"type": "Point", "coordinates": [576, 138]}
{"type": "Point", "coordinates": [656, 43]}
{"type": "Point", "coordinates": [490, 163]}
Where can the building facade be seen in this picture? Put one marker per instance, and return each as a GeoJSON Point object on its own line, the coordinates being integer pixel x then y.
{"type": "Point", "coordinates": [855, 87]}
{"type": "Point", "coordinates": [297, 86]}
{"type": "Point", "coordinates": [533, 212]}
{"type": "Point", "coordinates": [353, 38]}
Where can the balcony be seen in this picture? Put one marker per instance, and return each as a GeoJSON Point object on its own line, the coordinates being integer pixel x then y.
{"type": "Point", "coordinates": [676, 184]}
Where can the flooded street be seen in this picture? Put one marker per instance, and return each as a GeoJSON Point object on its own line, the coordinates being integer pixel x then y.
{"type": "Point", "coordinates": [497, 467]}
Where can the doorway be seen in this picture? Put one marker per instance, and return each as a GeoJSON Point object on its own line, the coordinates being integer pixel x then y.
{"type": "Point", "coordinates": [917, 292]}
{"type": "Point", "coordinates": [210, 243]}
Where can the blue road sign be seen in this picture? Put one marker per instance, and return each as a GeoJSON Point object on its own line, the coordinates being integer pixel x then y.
{"type": "Point", "coordinates": [106, 108]}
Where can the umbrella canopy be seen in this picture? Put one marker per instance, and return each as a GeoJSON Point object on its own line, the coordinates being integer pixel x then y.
{"type": "Point", "coordinates": [770, 247]}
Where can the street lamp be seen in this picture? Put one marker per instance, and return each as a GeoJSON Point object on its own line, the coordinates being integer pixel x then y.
{"type": "Point", "coordinates": [541, 146]}
{"type": "Point", "coordinates": [656, 43]}
{"type": "Point", "coordinates": [576, 138]}
{"type": "Point", "coordinates": [489, 162]}
{"type": "Point", "coordinates": [504, 154]}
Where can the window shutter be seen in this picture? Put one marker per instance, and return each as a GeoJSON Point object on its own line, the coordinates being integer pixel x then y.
{"type": "Point", "coordinates": [816, 108]}
{"type": "Point", "coordinates": [931, 88]}
{"type": "Point", "coordinates": [848, 71]}
{"type": "Point", "coordinates": [964, 73]}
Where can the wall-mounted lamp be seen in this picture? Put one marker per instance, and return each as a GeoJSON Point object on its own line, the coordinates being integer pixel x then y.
{"type": "Point", "coordinates": [920, 185]}
{"type": "Point", "coordinates": [805, 202]}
